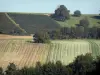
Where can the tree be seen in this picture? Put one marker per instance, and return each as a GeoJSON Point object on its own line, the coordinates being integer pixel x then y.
{"type": "Point", "coordinates": [11, 69]}
{"type": "Point", "coordinates": [61, 13]}
{"type": "Point", "coordinates": [84, 22]}
{"type": "Point", "coordinates": [79, 31]}
{"type": "Point", "coordinates": [64, 32]}
{"type": "Point", "coordinates": [98, 65]}
{"type": "Point", "coordinates": [1, 71]}
{"type": "Point", "coordinates": [98, 32]}
{"type": "Point", "coordinates": [93, 32]}
{"type": "Point", "coordinates": [1, 31]}
{"type": "Point", "coordinates": [38, 69]}
{"type": "Point", "coordinates": [73, 34]}
{"type": "Point", "coordinates": [41, 37]}
{"type": "Point", "coordinates": [55, 34]}
{"type": "Point", "coordinates": [77, 13]}
{"type": "Point", "coordinates": [83, 64]}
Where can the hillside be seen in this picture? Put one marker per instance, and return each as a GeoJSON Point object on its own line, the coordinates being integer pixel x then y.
{"type": "Point", "coordinates": [34, 22]}
{"type": "Point", "coordinates": [94, 20]}
{"type": "Point", "coordinates": [6, 25]}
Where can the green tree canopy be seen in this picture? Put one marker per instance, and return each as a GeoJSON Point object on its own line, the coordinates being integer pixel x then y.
{"type": "Point", "coordinates": [84, 22]}
{"type": "Point", "coordinates": [77, 13]}
{"type": "Point", "coordinates": [61, 13]}
{"type": "Point", "coordinates": [41, 37]}
{"type": "Point", "coordinates": [11, 69]}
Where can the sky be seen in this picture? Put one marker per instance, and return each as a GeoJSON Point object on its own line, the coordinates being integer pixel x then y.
{"type": "Point", "coordinates": [48, 6]}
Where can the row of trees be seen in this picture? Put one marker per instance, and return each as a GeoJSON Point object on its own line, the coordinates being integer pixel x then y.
{"type": "Point", "coordinates": [82, 30]}
{"type": "Point", "coordinates": [78, 32]}
{"type": "Point", "coordinates": [75, 33]}
{"type": "Point", "coordinates": [82, 65]}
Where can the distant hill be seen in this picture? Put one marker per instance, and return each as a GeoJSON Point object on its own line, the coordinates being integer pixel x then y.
{"type": "Point", "coordinates": [32, 23]}
{"type": "Point", "coordinates": [94, 20]}
{"type": "Point", "coordinates": [6, 25]}
{"type": "Point", "coordinates": [35, 22]}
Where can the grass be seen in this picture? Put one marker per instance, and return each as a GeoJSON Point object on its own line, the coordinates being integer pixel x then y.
{"type": "Point", "coordinates": [75, 20]}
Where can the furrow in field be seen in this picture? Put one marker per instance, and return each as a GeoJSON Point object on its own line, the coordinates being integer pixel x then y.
{"type": "Point", "coordinates": [22, 60]}
{"type": "Point", "coordinates": [33, 53]}
{"type": "Point", "coordinates": [43, 53]}
{"type": "Point", "coordinates": [49, 54]}
{"type": "Point", "coordinates": [94, 48]}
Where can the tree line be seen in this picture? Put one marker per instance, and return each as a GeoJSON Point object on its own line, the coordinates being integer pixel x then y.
{"type": "Point", "coordinates": [80, 31]}
{"type": "Point", "coordinates": [82, 65]}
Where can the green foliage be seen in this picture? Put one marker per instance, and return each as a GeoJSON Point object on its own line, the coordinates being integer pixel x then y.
{"type": "Point", "coordinates": [61, 13]}
{"type": "Point", "coordinates": [83, 64]}
{"type": "Point", "coordinates": [1, 71]}
{"type": "Point", "coordinates": [76, 32]}
{"type": "Point", "coordinates": [1, 31]}
{"type": "Point", "coordinates": [84, 22]}
{"type": "Point", "coordinates": [77, 13]}
{"type": "Point", "coordinates": [11, 69]}
{"type": "Point", "coordinates": [41, 37]}
{"type": "Point", "coordinates": [79, 31]}
{"type": "Point", "coordinates": [55, 34]}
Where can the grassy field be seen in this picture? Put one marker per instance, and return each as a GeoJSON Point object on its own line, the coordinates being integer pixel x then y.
{"type": "Point", "coordinates": [93, 19]}
{"type": "Point", "coordinates": [24, 53]}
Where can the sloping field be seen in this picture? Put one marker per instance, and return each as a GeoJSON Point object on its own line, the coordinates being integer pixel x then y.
{"type": "Point", "coordinates": [6, 25]}
{"type": "Point", "coordinates": [32, 23]}
{"type": "Point", "coordinates": [23, 53]}
{"type": "Point", "coordinates": [66, 51]}
{"type": "Point", "coordinates": [95, 47]}
{"type": "Point", "coordinates": [94, 20]}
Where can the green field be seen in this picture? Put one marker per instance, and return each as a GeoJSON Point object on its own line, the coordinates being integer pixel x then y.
{"type": "Point", "coordinates": [23, 53]}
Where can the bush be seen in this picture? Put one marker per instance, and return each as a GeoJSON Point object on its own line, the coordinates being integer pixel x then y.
{"type": "Point", "coordinates": [1, 31]}
{"type": "Point", "coordinates": [41, 37]}
{"type": "Point", "coordinates": [84, 22]}
{"type": "Point", "coordinates": [77, 13]}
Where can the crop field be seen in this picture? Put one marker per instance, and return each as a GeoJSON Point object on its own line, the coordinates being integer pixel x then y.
{"type": "Point", "coordinates": [23, 53]}
{"type": "Point", "coordinates": [6, 25]}
{"type": "Point", "coordinates": [32, 23]}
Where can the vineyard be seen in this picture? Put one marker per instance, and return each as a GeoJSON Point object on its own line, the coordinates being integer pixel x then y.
{"type": "Point", "coordinates": [23, 53]}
